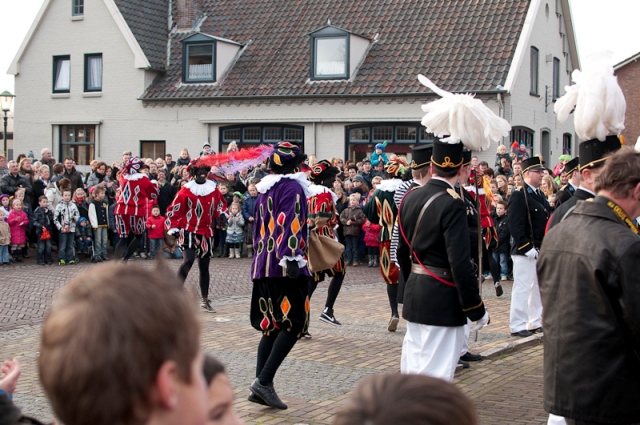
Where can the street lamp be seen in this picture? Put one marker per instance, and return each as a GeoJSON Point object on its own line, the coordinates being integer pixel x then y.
{"type": "Point", "coordinates": [6, 99]}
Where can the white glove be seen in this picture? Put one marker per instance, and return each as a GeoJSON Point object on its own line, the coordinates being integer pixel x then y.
{"type": "Point", "coordinates": [173, 231]}
{"type": "Point", "coordinates": [482, 322]}
{"type": "Point", "coordinates": [532, 254]}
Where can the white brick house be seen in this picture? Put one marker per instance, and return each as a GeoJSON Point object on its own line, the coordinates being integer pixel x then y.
{"type": "Point", "coordinates": [112, 77]}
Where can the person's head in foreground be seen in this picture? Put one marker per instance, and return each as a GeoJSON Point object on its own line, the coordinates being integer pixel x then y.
{"type": "Point", "coordinates": [220, 394]}
{"type": "Point", "coordinates": [392, 399]}
{"type": "Point", "coordinates": [120, 345]}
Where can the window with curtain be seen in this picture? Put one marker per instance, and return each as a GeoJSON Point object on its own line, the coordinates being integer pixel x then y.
{"type": "Point", "coordinates": [61, 74]}
{"type": "Point", "coordinates": [199, 62]}
{"type": "Point", "coordinates": [329, 54]}
{"type": "Point", "coordinates": [77, 7]}
{"type": "Point", "coordinates": [93, 72]}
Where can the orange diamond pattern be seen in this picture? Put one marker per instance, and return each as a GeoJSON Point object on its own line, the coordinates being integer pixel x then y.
{"type": "Point", "coordinates": [285, 306]}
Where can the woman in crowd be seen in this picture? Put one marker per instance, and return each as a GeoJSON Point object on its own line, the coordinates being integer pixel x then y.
{"type": "Point", "coordinates": [548, 186]}
{"type": "Point", "coordinates": [40, 185]}
{"type": "Point", "coordinates": [502, 183]}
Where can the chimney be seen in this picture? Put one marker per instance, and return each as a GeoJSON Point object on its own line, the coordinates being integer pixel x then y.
{"type": "Point", "coordinates": [188, 12]}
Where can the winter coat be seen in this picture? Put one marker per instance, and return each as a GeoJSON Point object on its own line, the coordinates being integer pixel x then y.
{"type": "Point", "coordinates": [375, 158]}
{"type": "Point", "coordinates": [235, 228]}
{"type": "Point", "coordinates": [166, 193]}
{"type": "Point", "coordinates": [249, 207]}
{"type": "Point", "coordinates": [10, 183]}
{"type": "Point", "coordinates": [158, 231]}
{"type": "Point", "coordinates": [357, 218]}
{"type": "Point", "coordinates": [66, 216]}
{"type": "Point", "coordinates": [5, 233]}
{"type": "Point", "coordinates": [53, 194]}
{"type": "Point", "coordinates": [42, 218]}
{"type": "Point", "coordinates": [95, 179]}
{"type": "Point", "coordinates": [18, 232]}
{"type": "Point", "coordinates": [98, 214]}
{"type": "Point", "coordinates": [75, 177]}
{"type": "Point", "coordinates": [39, 187]}
{"type": "Point", "coordinates": [371, 233]}
{"type": "Point", "coordinates": [502, 228]}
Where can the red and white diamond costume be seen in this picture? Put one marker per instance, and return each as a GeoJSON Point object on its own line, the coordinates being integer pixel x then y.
{"type": "Point", "coordinates": [194, 211]}
{"type": "Point", "coordinates": [131, 206]}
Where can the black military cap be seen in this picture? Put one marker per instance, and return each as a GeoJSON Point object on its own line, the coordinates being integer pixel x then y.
{"type": "Point", "coordinates": [421, 156]}
{"type": "Point", "coordinates": [593, 153]}
{"type": "Point", "coordinates": [447, 156]}
{"type": "Point", "coordinates": [466, 157]}
{"type": "Point", "coordinates": [532, 164]}
{"type": "Point", "coordinates": [571, 166]}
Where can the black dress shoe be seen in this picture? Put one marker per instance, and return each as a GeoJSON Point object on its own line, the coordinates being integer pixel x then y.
{"type": "Point", "coordinates": [255, 399]}
{"type": "Point", "coordinates": [537, 330]}
{"type": "Point", "coordinates": [498, 288]}
{"type": "Point", "coordinates": [268, 394]}
{"type": "Point", "coordinates": [523, 333]}
{"type": "Point", "coordinates": [464, 364]}
{"type": "Point", "coordinates": [470, 357]}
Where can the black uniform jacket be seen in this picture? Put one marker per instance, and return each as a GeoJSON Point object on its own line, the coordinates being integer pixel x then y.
{"type": "Point", "coordinates": [565, 207]}
{"type": "Point", "coordinates": [564, 194]}
{"type": "Point", "coordinates": [589, 277]}
{"type": "Point", "coordinates": [442, 242]}
{"type": "Point", "coordinates": [519, 226]}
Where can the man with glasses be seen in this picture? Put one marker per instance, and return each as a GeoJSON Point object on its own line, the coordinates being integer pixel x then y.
{"type": "Point", "coordinates": [528, 215]}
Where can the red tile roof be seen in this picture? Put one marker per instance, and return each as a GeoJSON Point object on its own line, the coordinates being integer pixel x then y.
{"type": "Point", "coordinates": [461, 45]}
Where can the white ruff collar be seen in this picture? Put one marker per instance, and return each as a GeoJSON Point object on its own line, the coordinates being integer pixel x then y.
{"type": "Point", "coordinates": [389, 185]}
{"type": "Point", "coordinates": [203, 189]}
{"type": "Point", "coordinates": [317, 189]}
{"type": "Point", "coordinates": [271, 179]}
{"type": "Point", "coordinates": [134, 177]}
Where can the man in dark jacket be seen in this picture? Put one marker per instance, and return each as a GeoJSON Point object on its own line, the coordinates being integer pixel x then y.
{"type": "Point", "coordinates": [72, 174]}
{"type": "Point", "coordinates": [14, 181]}
{"type": "Point", "coordinates": [588, 273]}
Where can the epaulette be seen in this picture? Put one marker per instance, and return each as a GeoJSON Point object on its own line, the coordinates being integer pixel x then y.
{"type": "Point", "coordinates": [453, 193]}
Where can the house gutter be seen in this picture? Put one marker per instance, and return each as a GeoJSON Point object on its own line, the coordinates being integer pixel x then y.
{"type": "Point", "coordinates": [311, 96]}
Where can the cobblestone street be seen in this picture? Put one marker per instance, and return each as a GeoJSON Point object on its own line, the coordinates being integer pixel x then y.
{"type": "Point", "coordinates": [319, 373]}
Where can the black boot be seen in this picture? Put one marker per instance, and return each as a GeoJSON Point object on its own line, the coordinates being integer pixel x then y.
{"type": "Point", "coordinates": [375, 261]}
{"type": "Point", "coordinates": [267, 394]}
{"type": "Point", "coordinates": [370, 263]}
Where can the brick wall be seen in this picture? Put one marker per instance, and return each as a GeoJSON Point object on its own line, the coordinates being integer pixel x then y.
{"type": "Point", "coordinates": [628, 77]}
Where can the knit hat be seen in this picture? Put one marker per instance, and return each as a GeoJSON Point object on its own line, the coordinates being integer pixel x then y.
{"type": "Point", "coordinates": [206, 144]}
{"type": "Point", "coordinates": [359, 178]}
{"type": "Point", "coordinates": [381, 145]}
{"type": "Point", "coordinates": [81, 220]}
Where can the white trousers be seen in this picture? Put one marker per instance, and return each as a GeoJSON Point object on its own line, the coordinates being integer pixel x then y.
{"type": "Point", "coordinates": [526, 307]}
{"type": "Point", "coordinates": [465, 342]}
{"type": "Point", "coordinates": [431, 350]}
{"type": "Point", "coordinates": [556, 420]}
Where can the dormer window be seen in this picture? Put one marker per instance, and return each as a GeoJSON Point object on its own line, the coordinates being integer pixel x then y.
{"type": "Point", "coordinates": [205, 57]}
{"type": "Point", "coordinates": [200, 65]}
{"type": "Point", "coordinates": [335, 53]}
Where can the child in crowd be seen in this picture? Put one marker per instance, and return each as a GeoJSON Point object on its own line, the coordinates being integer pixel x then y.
{"type": "Point", "coordinates": [99, 219]}
{"type": "Point", "coordinates": [371, 233]}
{"type": "Point", "coordinates": [352, 218]}
{"type": "Point", "coordinates": [65, 217]}
{"type": "Point", "coordinates": [5, 239]}
{"type": "Point", "coordinates": [248, 213]}
{"type": "Point", "coordinates": [501, 253]}
{"type": "Point", "coordinates": [80, 199]}
{"type": "Point", "coordinates": [26, 207]}
{"type": "Point", "coordinates": [237, 198]}
{"type": "Point", "coordinates": [18, 222]}
{"type": "Point", "coordinates": [234, 230]}
{"type": "Point", "coordinates": [221, 221]}
{"type": "Point", "coordinates": [4, 205]}
{"type": "Point", "coordinates": [43, 223]}
{"type": "Point", "coordinates": [501, 153]}
{"type": "Point", "coordinates": [206, 149]}
{"type": "Point", "coordinates": [378, 155]}
{"type": "Point", "coordinates": [84, 237]}
{"type": "Point", "coordinates": [113, 228]}
{"type": "Point", "coordinates": [155, 228]}
{"type": "Point", "coordinates": [170, 247]}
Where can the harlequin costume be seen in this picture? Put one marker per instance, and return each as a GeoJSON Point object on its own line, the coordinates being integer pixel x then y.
{"type": "Point", "coordinates": [280, 301]}
{"type": "Point", "coordinates": [381, 209]}
{"type": "Point", "coordinates": [192, 215]}
{"type": "Point", "coordinates": [131, 206]}
{"type": "Point", "coordinates": [323, 218]}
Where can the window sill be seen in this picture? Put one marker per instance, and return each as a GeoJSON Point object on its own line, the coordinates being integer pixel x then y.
{"type": "Point", "coordinates": [534, 94]}
{"type": "Point", "coordinates": [77, 18]}
{"type": "Point", "coordinates": [92, 94]}
{"type": "Point", "coordinates": [60, 95]}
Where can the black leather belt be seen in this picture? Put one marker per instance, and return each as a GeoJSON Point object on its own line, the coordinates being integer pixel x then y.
{"type": "Point", "coordinates": [435, 271]}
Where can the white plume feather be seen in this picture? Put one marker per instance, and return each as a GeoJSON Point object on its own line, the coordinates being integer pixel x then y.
{"type": "Point", "coordinates": [462, 118]}
{"type": "Point", "coordinates": [597, 98]}
{"type": "Point", "coordinates": [637, 146]}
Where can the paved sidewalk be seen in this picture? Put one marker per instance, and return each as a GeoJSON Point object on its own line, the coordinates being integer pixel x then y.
{"type": "Point", "coordinates": [319, 373]}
